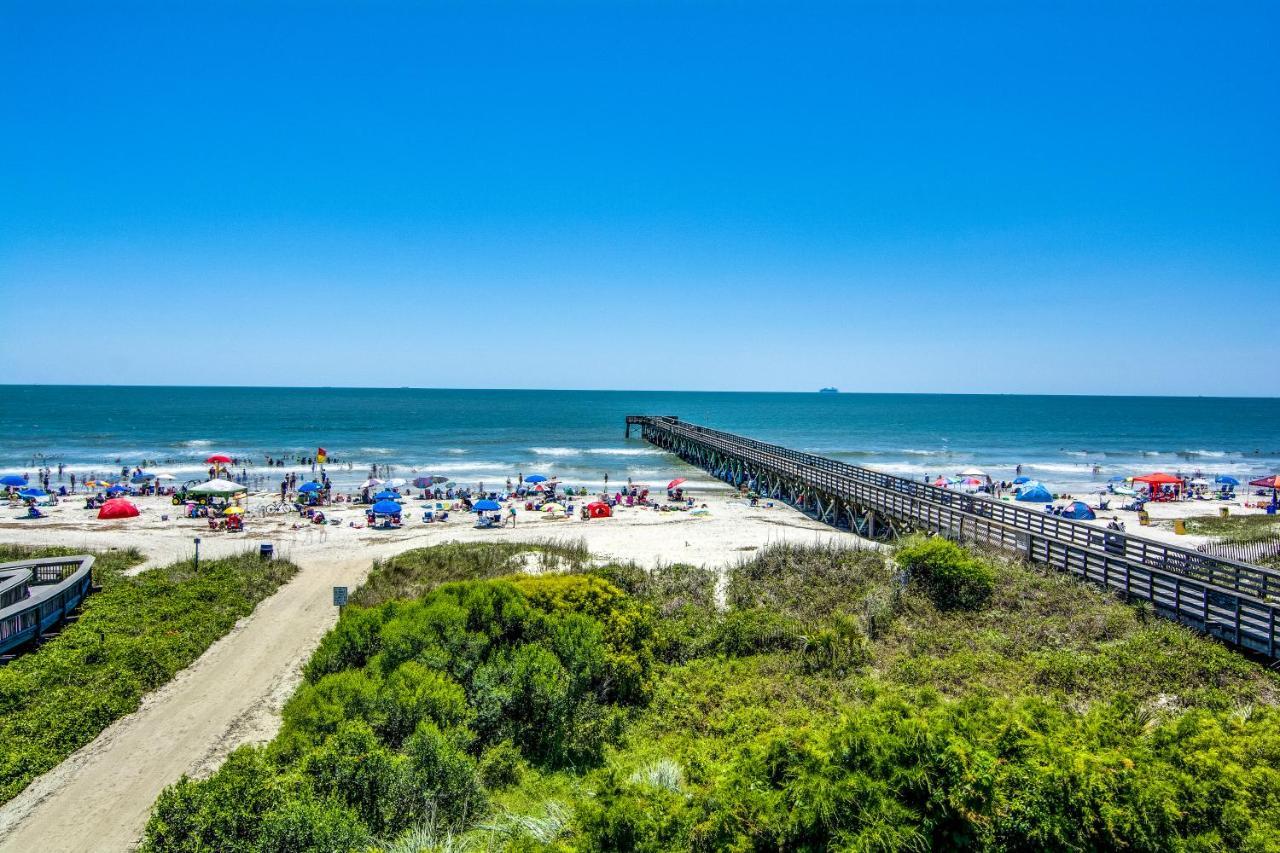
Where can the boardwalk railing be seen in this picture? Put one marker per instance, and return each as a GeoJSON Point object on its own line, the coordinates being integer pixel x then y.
{"type": "Point", "coordinates": [1230, 599]}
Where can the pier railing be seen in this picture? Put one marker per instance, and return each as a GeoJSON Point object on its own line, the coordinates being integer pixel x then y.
{"type": "Point", "coordinates": [1228, 598]}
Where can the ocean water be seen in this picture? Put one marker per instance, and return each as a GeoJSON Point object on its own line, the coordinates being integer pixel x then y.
{"type": "Point", "coordinates": [1072, 443]}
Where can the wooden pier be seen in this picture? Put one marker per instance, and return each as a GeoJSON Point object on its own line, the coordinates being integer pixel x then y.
{"type": "Point", "coordinates": [1233, 601]}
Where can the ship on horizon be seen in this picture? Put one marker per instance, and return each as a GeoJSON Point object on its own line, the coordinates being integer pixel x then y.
{"type": "Point", "coordinates": [829, 390]}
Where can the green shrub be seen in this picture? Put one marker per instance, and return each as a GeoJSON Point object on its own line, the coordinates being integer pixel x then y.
{"type": "Point", "coordinates": [950, 575]}
{"type": "Point", "coordinates": [756, 631]}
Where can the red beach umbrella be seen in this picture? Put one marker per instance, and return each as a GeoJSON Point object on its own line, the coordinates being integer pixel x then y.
{"type": "Point", "coordinates": [218, 459]}
{"type": "Point", "coordinates": [677, 481]}
{"type": "Point", "coordinates": [118, 508]}
{"type": "Point", "coordinates": [1271, 481]}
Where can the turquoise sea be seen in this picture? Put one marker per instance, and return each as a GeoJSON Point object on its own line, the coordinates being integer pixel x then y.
{"type": "Point", "coordinates": [1071, 443]}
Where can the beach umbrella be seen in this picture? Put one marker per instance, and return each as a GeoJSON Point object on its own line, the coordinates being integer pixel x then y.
{"type": "Point", "coordinates": [552, 507]}
{"type": "Point", "coordinates": [387, 508]}
{"type": "Point", "coordinates": [1018, 481]}
{"type": "Point", "coordinates": [218, 459]}
{"type": "Point", "coordinates": [386, 495]}
{"type": "Point", "coordinates": [535, 478]}
{"type": "Point", "coordinates": [1116, 479]}
{"type": "Point", "coordinates": [118, 508]}
{"type": "Point", "coordinates": [973, 472]}
{"type": "Point", "coordinates": [1226, 480]}
{"type": "Point", "coordinates": [138, 479]}
{"type": "Point", "coordinates": [423, 482]}
{"type": "Point", "coordinates": [677, 481]}
{"type": "Point", "coordinates": [396, 482]}
{"type": "Point", "coordinates": [486, 506]}
{"type": "Point", "coordinates": [310, 487]}
{"type": "Point", "coordinates": [164, 475]}
{"type": "Point", "coordinates": [32, 492]}
{"type": "Point", "coordinates": [439, 478]}
{"type": "Point", "coordinates": [233, 510]}
{"type": "Point", "coordinates": [1271, 481]}
{"type": "Point", "coordinates": [117, 489]}
{"type": "Point", "coordinates": [941, 482]}
{"type": "Point", "coordinates": [13, 480]}
{"type": "Point", "coordinates": [371, 483]}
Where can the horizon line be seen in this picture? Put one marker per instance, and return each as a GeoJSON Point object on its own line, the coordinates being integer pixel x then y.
{"type": "Point", "coordinates": [636, 391]}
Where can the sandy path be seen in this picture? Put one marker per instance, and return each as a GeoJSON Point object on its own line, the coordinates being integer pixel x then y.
{"type": "Point", "coordinates": [100, 797]}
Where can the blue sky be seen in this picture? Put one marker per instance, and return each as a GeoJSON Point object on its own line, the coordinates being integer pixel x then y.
{"type": "Point", "coordinates": [693, 195]}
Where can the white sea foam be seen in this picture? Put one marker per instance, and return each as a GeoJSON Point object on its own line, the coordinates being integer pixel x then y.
{"type": "Point", "coordinates": [456, 451]}
{"type": "Point", "coordinates": [196, 442]}
{"type": "Point", "coordinates": [911, 451]}
{"type": "Point", "coordinates": [624, 451]}
{"type": "Point", "coordinates": [556, 451]}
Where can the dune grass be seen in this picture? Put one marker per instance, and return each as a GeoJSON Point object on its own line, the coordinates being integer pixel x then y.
{"type": "Point", "coordinates": [839, 699]}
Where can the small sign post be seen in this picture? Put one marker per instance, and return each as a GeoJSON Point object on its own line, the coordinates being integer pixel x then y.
{"type": "Point", "coordinates": [339, 598]}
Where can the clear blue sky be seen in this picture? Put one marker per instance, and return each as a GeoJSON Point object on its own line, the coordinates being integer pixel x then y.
{"type": "Point", "coordinates": [883, 197]}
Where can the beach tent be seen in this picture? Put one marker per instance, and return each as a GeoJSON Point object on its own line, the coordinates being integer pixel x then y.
{"type": "Point", "coordinates": [32, 492]}
{"type": "Point", "coordinates": [1078, 510]}
{"type": "Point", "coordinates": [973, 472]}
{"type": "Point", "coordinates": [1271, 481]}
{"type": "Point", "coordinates": [313, 486]}
{"type": "Point", "coordinates": [387, 508]}
{"type": "Point", "coordinates": [386, 495]}
{"type": "Point", "coordinates": [486, 506]}
{"type": "Point", "coordinates": [118, 508]}
{"type": "Point", "coordinates": [1018, 481]}
{"type": "Point", "coordinates": [140, 478]}
{"type": "Point", "coordinates": [12, 480]}
{"type": "Point", "coordinates": [117, 489]}
{"type": "Point", "coordinates": [1035, 491]}
{"type": "Point", "coordinates": [217, 487]}
{"type": "Point", "coordinates": [599, 509]}
{"type": "Point", "coordinates": [1159, 479]}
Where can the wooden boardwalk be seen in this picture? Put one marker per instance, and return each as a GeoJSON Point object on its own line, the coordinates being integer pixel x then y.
{"type": "Point", "coordinates": [1233, 601]}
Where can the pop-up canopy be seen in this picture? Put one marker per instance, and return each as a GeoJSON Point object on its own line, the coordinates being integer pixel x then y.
{"type": "Point", "coordinates": [217, 487]}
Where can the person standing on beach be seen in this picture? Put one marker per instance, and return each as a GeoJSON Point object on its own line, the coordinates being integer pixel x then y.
{"type": "Point", "coordinates": [284, 488]}
{"type": "Point", "coordinates": [511, 514]}
{"type": "Point", "coordinates": [73, 484]}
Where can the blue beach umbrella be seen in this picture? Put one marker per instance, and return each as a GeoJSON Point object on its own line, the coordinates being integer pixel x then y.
{"type": "Point", "coordinates": [387, 508]}
{"type": "Point", "coordinates": [486, 506]}
{"type": "Point", "coordinates": [32, 493]}
{"type": "Point", "coordinates": [423, 482]}
{"type": "Point", "coordinates": [13, 480]}
{"type": "Point", "coordinates": [1116, 479]}
{"type": "Point", "coordinates": [535, 478]}
{"type": "Point", "coordinates": [1018, 481]}
{"type": "Point", "coordinates": [141, 478]}
{"type": "Point", "coordinates": [116, 489]}
{"type": "Point", "coordinates": [1226, 480]}
{"type": "Point", "coordinates": [386, 495]}
{"type": "Point", "coordinates": [310, 487]}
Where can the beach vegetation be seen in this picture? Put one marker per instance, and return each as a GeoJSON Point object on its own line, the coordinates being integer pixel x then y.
{"type": "Point", "coordinates": [129, 638]}
{"type": "Point", "coordinates": [929, 697]}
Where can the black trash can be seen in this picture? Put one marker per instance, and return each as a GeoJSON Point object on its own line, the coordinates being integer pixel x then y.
{"type": "Point", "coordinates": [266, 551]}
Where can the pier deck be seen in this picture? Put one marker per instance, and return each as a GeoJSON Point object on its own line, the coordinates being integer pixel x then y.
{"type": "Point", "coordinates": [1233, 601]}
